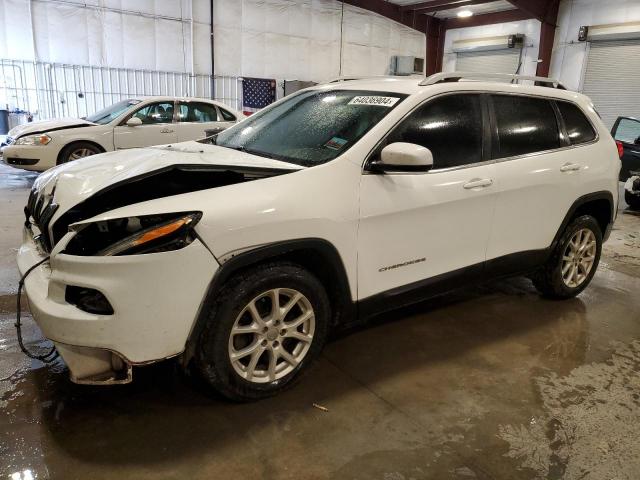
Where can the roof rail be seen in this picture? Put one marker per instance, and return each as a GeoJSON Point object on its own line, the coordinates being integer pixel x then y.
{"type": "Point", "coordinates": [370, 77]}
{"type": "Point", "coordinates": [515, 78]}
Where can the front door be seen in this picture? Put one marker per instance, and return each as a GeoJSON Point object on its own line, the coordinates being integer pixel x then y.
{"type": "Point", "coordinates": [417, 228]}
{"type": "Point", "coordinates": [157, 127]}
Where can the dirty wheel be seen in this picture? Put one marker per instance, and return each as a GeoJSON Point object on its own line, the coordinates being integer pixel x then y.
{"type": "Point", "coordinates": [574, 261]}
{"type": "Point", "coordinates": [76, 151]}
{"type": "Point", "coordinates": [264, 330]}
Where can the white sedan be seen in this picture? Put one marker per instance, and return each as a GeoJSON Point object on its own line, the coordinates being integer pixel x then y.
{"type": "Point", "coordinates": [127, 124]}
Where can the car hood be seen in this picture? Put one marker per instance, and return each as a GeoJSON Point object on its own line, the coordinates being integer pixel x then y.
{"type": "Point", "coordinates": [48, 126]}
{"type": "Point", "coordinates": [84, 188]}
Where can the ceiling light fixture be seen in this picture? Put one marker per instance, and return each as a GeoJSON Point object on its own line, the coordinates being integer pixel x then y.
{"type": "Point", "coordinates": [465, 13]}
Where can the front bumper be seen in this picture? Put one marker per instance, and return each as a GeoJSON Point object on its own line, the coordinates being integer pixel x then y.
{"type": "Point", "coordinates": [31, 157]}
{"type": "Point", "coordinates": [155, 297]}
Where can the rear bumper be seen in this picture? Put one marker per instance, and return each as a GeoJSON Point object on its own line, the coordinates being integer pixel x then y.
{"type": "Point", "coordinates": [155, 299]}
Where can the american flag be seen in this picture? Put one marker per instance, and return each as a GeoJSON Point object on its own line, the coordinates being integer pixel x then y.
{"type": "Point", "coordinates": [257, 93]}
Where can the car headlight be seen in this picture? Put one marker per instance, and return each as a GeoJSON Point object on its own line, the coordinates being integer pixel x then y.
{"type": "Point", "coordinates": [134, 235]}
{"type": "Point", "coordinates": [40, 139]}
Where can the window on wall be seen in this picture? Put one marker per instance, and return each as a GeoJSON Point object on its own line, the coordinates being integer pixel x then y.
{"type": "Point", "coordinates": [525, 125]}
{"type": "Point", "coordinates": [449, 126]}
{"type": "Point", "coordinates": [579, 129]}
{"type": "Point", "coordinates": [197, 112]}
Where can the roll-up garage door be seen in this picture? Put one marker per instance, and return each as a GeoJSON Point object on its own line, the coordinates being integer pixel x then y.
{"type": "Point", "coordinates": [612, 78]}
{"type": "Point", "coordinates": [489, 61]}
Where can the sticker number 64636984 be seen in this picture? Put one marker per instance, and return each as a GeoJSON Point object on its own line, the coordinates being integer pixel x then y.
{"type": "Point", "coordinates": [374, 100]}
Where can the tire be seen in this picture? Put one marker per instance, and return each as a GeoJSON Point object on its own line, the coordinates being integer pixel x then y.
{"type": "Point", "coordinates": [237, 380]}
{"type": "Point", "coordinates": [77, 150]}
{"type": "Point", "coordinates": [549, 279]}
{"type": "Point", "coordinates": [632, 200]}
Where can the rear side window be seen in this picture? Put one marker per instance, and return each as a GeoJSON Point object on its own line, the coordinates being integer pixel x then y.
{"type": "Point", "coordinates": [525, 125]}
{"type": "Point", "coordinates": [578, 127]}
{"type": "Point", "coordinates": [449, 126]}
{"type": "Point", "coordinates": [228, 116]}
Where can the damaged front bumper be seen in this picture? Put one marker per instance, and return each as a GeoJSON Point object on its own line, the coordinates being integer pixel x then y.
{"type": "Point", "coordinates": [155, 299]}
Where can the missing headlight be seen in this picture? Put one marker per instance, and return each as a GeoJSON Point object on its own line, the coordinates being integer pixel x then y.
{"type": "Point", "coordinates": [135, 235]}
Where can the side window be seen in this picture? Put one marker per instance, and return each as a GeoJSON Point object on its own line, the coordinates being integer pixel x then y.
{"type": "Point", "coordinates": [525, 125]}
{"type": "Point", "coordinates": [197, 112]}
{"type": "Point", "coordinates": [578, 127]}
{"type": "Point", "coordinates": [161, 112]}
{"type": "Point", "coordinates": [228, 116]}
{"type": "Point", "coordinates": [449, 126]}
{"type": "Point", "coordinates": [627, 130]}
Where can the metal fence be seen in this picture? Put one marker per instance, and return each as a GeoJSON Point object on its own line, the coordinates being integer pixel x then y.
{"type": "Point", "coordinates": [52, 90]}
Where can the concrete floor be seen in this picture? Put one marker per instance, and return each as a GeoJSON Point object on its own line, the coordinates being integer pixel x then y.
{"type": "Point", "coordinates": [490, 383]}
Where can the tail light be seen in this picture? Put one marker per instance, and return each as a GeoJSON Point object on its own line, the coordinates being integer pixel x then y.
{"type": "Point", "coordinates": [620, 148]}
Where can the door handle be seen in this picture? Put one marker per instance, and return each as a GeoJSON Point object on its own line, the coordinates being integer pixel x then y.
{"type": "Point", "coordinates": [570, 167]}
{"type": "Point", "coordinates": [166, 130]}
{"type": "Point", "coordinates": [478, 182]}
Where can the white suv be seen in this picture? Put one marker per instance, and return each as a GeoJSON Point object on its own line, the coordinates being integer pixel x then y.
{"type": "Point", "coordinates": [341, 201]}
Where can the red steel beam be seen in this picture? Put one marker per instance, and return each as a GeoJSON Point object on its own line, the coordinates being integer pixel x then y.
{"type": "Point", "coordinates": [547, 35]}
{"type": "Point", "coordinates": [438, 5]}
{"type": "Point", "coordinates": [536, 8]}
{"type": "Point", "coordinates": [435, 33]}
{"type": "Point", "coordinates": [391, 11]}
{"type": "Point", "coordinates": [487, 19]}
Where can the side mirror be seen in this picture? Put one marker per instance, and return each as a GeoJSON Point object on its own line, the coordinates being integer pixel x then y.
{"type": "Point", "coordinates": [404, 157]}
{"type": "Point", "coordinates": [134, 122]}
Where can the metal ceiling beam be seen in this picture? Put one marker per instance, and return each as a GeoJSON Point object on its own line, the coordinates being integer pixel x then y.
{"type": "Point", "coordinates": [538, 9]}
{"type": "Point", "coordinates": [437, 5]}
{"type": "Point", "coordinates": [487, 19]}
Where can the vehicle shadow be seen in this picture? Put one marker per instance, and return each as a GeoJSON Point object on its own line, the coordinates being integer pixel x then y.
{"type": "Point", "coordinates": [161, 417]}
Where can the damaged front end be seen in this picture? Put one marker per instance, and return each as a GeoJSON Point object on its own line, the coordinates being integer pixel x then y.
{"type": "Point", "coordinates": [122, 290]}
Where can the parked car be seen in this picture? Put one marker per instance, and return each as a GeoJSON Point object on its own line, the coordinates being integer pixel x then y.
{"type": "Point", "coordinates": [333, 204]}
{"type": "Point", "coordinates": [126, 124]}
{"type": "Point", "coordinates": [626, 131]}
{"type": "Point", "coordinates": [632, 190]}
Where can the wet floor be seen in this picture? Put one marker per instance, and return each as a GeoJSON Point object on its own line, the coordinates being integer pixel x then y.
{"type": "Point", "coordinates": [490, 383]}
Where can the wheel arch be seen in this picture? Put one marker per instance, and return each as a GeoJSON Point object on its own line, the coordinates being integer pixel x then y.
{"type": "Point", "coordinates": [599, 205]}
{"type": "Point", "coordinates": [64, 148]}
{"type": "Point", "coordinates": [317, 255]}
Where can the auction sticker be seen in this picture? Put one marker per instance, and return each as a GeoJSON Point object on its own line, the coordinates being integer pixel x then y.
{"type": "Point", "coordinates": [374, 100]}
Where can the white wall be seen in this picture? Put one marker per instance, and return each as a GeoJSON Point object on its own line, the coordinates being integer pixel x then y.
{"type": "Point", "coordinates": [301, 39]}
{"type": "Point", "coordinates": [284, 39]}
{"type": "Point", "coordinates": [569, 55]}
{"type": "Point", "coordinates": [530, 28]}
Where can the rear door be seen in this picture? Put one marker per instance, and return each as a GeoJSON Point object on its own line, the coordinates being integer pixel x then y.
{"type": "Point", "coordinates": [627, 131]}
{"type": "Point", "coordinates": [157, 127]}
{"type": "Point", "coordinates": [196, 120]}
{"type": "Point", "coordinates": [537, 177]}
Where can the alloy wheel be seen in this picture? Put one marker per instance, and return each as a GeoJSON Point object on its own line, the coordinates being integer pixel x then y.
{"type": "Point", "coordinates": [80, 153]}
{"type": "Point", "coordinates": [271, 335]}
{"type": "Point", "coordinates": [578, 258]}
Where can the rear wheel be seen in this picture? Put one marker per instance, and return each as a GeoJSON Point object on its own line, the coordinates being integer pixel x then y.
{"type": "Point", "coordinates": [77, 150]}
{"type": "Point", "coordinates": [632, 200]}
{"type": "Point", "coordinates": [264, 330]}
{"type": "Point", "coordinates": [574, 261]}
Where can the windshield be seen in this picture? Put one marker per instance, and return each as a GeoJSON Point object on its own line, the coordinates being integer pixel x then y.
{"type": "Point", "coordinates": [310, 128]}
{"type": "Point", "coordinates": [112, 112]}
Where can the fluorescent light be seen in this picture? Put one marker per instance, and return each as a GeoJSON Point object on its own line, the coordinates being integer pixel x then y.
{"type": "Point", "coordinates": [465, 13]}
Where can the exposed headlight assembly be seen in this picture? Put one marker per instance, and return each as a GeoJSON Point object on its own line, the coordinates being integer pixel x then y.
{"type": "Point", "coordinates": [134, 235]}
{"type": "Point", "coordinates": [39, 139]}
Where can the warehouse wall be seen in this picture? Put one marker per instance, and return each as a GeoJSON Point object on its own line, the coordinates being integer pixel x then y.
{"type": "Point", "coordinates": [283, 39]}
{"type": "Point", "coordinates": [302, 39]}
{"type": "Point", "coordinates": [530, 28]}
{"type": "Point", "coordinates": [569, 55]}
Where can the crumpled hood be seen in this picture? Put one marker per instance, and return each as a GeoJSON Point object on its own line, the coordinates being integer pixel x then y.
{"type": "Point", "coordinates": [47, 125]}
{"type": "Point", "coordinates": [72, 183]}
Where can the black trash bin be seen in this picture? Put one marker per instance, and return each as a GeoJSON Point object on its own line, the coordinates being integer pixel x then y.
{"type": "Point", "coordinates": [4, 121]}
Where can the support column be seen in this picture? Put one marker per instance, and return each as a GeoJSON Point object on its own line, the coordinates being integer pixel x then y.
{"type": "Point", "coordinates": [547, 35]}
{"type": "Point", "coordinates": [435, 33]}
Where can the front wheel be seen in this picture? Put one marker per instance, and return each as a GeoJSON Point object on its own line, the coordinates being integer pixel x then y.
{"type": "Point", "coordinates": [632, 200]}
{"type": "Point", "coordinates": [574, 262]}
{"type": "Point", "coordinates": [263, 331]}
{"type": "Point", "coordinates": [76, 151]}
